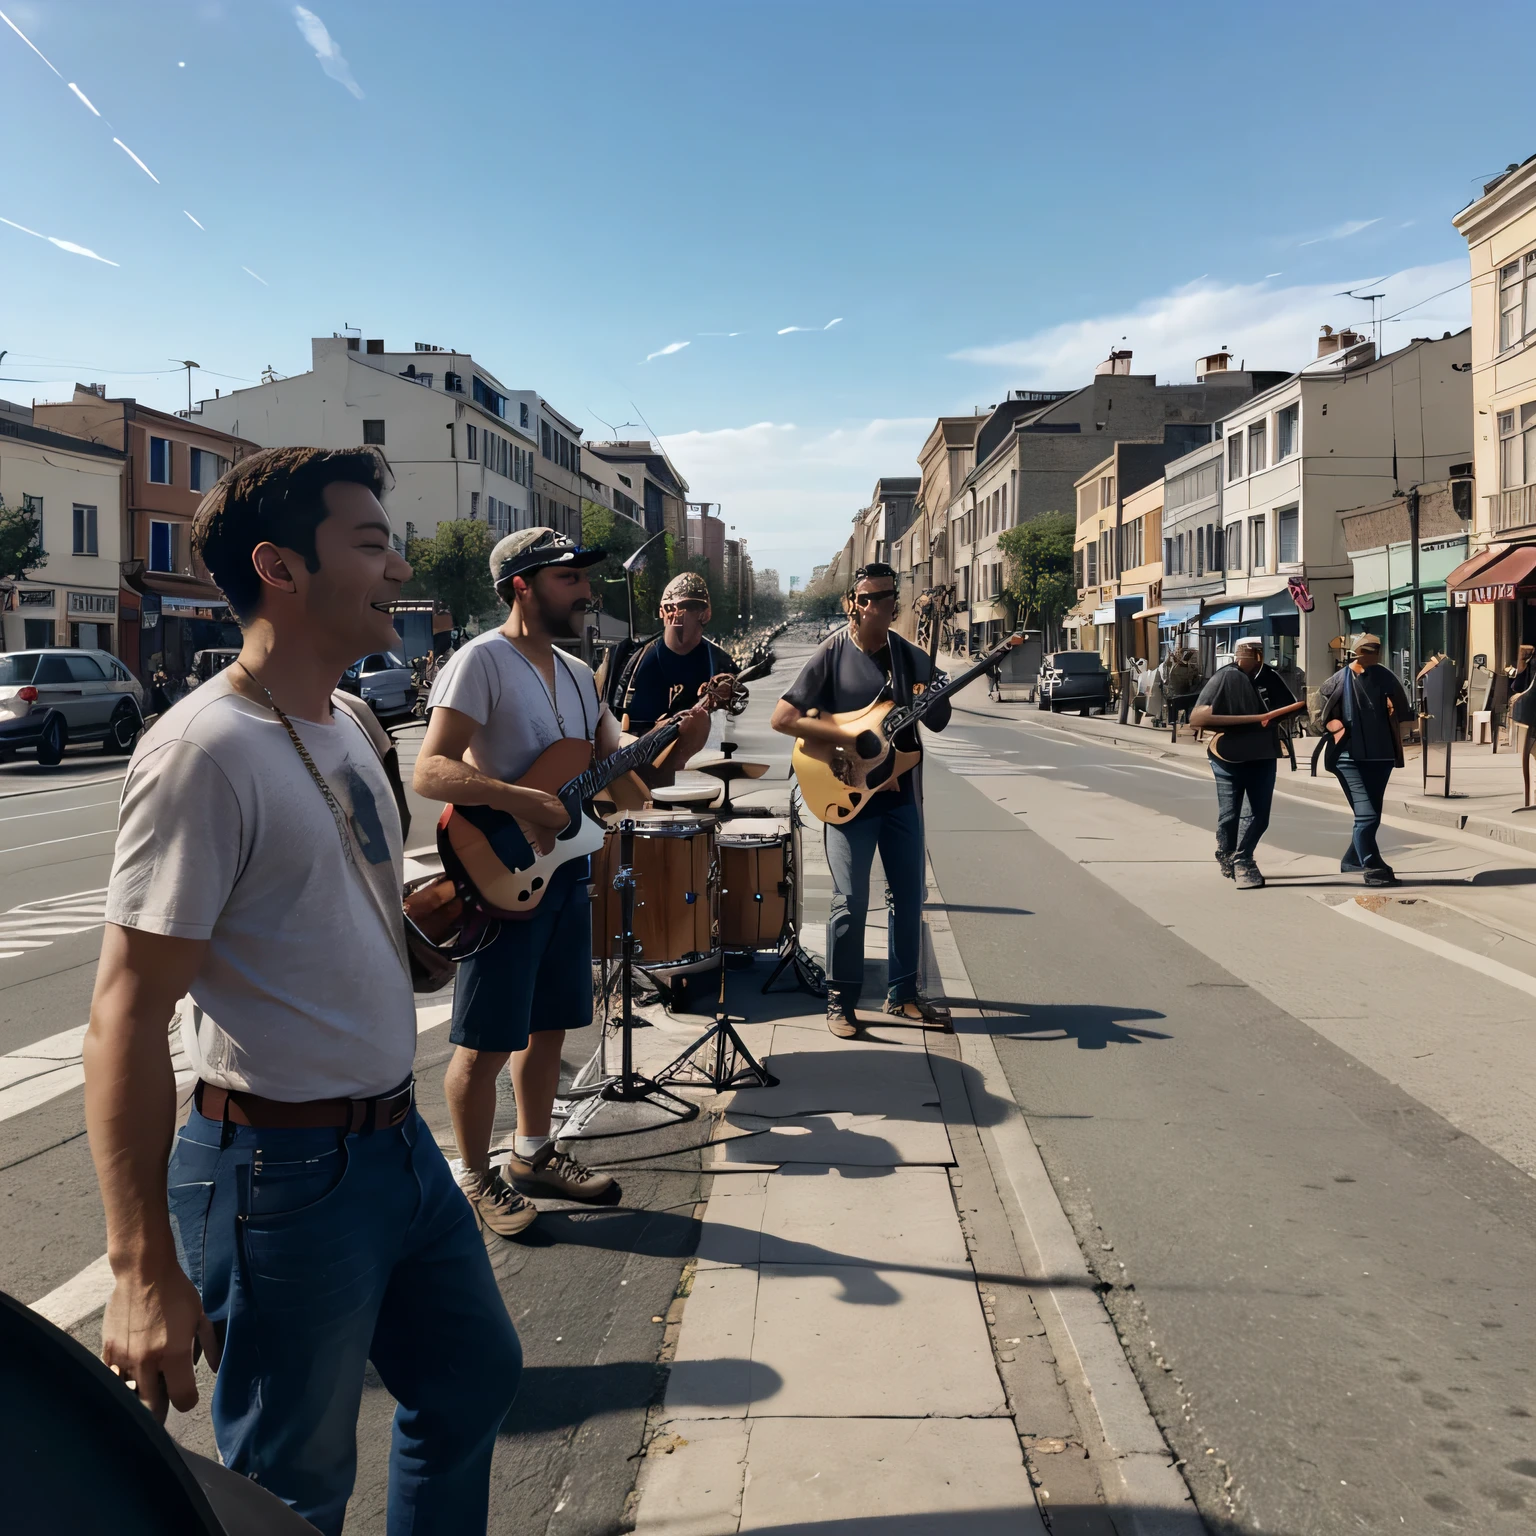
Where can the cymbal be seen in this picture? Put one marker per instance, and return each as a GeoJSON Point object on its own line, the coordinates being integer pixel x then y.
{"type": "Point", "coordinates": [687, 796]}
{"type": "Point", "coordinates": [727, 768]}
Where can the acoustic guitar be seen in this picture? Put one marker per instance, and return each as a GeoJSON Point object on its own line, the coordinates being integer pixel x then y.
{"type": "Point", "coordinates": [507, 864]}
{"type": "Point", "coordinates": [836, 782]}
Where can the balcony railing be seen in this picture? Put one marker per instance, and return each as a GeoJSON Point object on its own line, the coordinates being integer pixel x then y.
{"type": "Point", "coordinates": [1513, 509]}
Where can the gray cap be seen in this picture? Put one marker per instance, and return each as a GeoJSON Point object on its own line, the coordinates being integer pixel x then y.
{"type": "Point", "coordinates": [1249, 643]}
{"type": "Point", "coordinates": [531, 549]}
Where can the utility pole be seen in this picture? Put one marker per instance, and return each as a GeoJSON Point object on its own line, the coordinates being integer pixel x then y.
{"type": "Point", "coordinates": [1413, 596]}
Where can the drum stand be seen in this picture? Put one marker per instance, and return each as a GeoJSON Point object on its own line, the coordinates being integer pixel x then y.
{"type": "Point", "coordinates": [629, 1087]}
{"type": "Point", "coordinates": [809, 976]}
{"type": "Point", "coordinates": [719, 1058]}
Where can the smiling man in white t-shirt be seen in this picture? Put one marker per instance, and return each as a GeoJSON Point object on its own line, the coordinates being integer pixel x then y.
{"type": "Point", "coordinates": [311, 1224]}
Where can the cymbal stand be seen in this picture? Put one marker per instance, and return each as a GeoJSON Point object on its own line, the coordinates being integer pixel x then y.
{"type": "Point", "coordinates": [809, 975]}
{"type": "Point", "coordinates": [630, 1086]}
{"type": "Point", "coordinates": [719, 1058]}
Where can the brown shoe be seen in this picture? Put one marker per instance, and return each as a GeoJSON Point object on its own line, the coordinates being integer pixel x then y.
{"type": "Point", "coordinates": [842, 1021]}
{"type": "Point", "coordinates": [560, 1176]}
{"type": "Point", "coordinates": [497, 1204]}
{"type": "Point", "coordinates": [918, 1010]}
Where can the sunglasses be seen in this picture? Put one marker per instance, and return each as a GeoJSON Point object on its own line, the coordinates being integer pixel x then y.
{"type": "Point", "coordinates": [687, 605]}
{"type": "Point", "coordinates": [864, 599]}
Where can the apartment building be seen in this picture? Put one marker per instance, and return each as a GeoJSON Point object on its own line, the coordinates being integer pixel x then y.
{"type": "Point", "coordinates": [706, 537]}
{"type": "Point", "coordinates": [557, 478]}
{"type": "Point", "coordinates": [460, 444]}
{"type": "Point", "coordinates": [602, 483]}
{"type": "Point", "coordinates": [921, 554]}
{"type": "Point", "coordinates": [645, 473]}
{"type": "Point", "coordinates": [878, 528]}
{"type": "Point", "coordinates": [1498, 588]}
{"type": "Point", "coordinates": [167, 608]}
{"type": "Point", "coordinates": [75, 489]}
{"type": "Point", "coordinates": [1193, 566]}
{"type": "Point", "coordinates": [1349, 430]}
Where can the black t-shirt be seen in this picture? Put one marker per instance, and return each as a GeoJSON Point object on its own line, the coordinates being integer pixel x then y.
{"type": "Point", "coordinates": [840, 678]}
{"type": "Point", "coordinates": [665, 682]}
{"type": "Point", "coordinates": [1232, 692]}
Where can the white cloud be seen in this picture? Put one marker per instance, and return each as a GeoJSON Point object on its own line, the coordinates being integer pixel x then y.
{"type": "Point", "coordinates": [137, 161]}
{"type": "Point", "coordinates": [330, 56]}
{"type": "Point", "coordinates": [668, 350]}
{"type": "Point", "coordinates": [789, 329]}
{"type": "Point", "coordinates": [1269, 327]}
{"type": "Point", "coordinates": [793, 490]}
{"type": "Point", "coordinates": [83, 97]}
{"type": "Point", "coordinates": [1343, 231]}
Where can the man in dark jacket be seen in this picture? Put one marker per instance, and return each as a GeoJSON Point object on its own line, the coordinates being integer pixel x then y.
{"type": "Point", "coordinates": [1363, 706]}
{"type": "Point", "coordinates": [1242, 702]}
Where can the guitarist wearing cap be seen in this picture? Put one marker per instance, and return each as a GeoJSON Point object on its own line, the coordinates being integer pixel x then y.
{"type": "Point", "coordinates": [498, 703]}
{"type": "Point", "coordinates": [848, 672]}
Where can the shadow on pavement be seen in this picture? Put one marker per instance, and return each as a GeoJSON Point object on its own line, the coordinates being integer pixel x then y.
{"type": "Point", "coordinates": [560, 1397]}
{"type": "Point", "coordinates": [1007, 1520]}
{"type": "Point", "coordinates": [1093, 1025]}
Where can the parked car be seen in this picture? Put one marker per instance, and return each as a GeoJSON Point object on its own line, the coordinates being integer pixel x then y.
{"type": "Point", "coordinates": [51, 698]}
{"type": "Point", "coordinates": [383, 681]}
{"type": "Point", "coordinates": [209, 663]}
{"type": "Point", "coordinates": [1073, 680]}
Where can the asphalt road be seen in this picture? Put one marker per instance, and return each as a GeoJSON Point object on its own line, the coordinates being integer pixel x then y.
{"type": "Point", "coordinates": [1322, 1284]}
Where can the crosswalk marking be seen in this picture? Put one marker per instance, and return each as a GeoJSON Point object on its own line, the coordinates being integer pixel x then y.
{"type": "Point", "coordinates": [966, 757]}
{"type": "Point", "coordinates": [36, 924]}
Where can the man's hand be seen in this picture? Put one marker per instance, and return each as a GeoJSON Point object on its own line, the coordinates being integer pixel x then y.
{"type": "Point", "coordinates": [1337, 729]}
{"type": "Point", "coordinates": [536, 806]}
{"type": "Point", "coordinates": [147, 1336]}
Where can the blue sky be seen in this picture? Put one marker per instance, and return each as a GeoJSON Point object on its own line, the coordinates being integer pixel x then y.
{"type": "Point", "coordinates": [982, 196]}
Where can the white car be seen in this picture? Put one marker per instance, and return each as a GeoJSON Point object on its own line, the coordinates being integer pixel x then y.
{"type": "Point", "coordinates": [382, 681]}
{"type": "Point", "coordinates": [51, 698]}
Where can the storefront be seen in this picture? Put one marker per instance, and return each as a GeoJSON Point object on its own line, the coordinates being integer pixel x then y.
{"type": "Point", "coordinates": [39, 618]}
{"type": "Point", "coordinates": [177, 617]}
{"type": "Point", "coordinates": [1501, 577]}
{"type": "Point", "coordinates": [1275, 620]}
{"type": "Point", "coordinates": [1382, 602]}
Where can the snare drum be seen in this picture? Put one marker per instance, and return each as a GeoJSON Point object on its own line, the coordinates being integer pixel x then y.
{"type": "Point", "coordinates": [674, 909]}
{"type": "Point", "coordinates": [756, 876]}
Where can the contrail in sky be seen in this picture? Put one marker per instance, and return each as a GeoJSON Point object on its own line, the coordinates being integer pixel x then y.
{"type": "Point", "coordinates": [198, 222]}
{"type": "Point", "coordinates": [63, 245]}
{"type": "Point", "coordinates": [83, 97]}
{"type": "Point", "coordinates": [28, 41]}
{"type": "Point", "coordinates": [137, 161]}
{"type": "Point", "coordinates": [264, 283]}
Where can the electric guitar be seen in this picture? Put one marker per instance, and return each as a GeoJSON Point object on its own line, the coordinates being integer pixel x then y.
{"type": "Point", "coordinates": [506, 863]}
{"type": "Point", "coordinates": [836, 783]}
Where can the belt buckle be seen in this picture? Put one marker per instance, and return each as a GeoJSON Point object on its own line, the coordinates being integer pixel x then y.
{"type": "Point", "coordinates": [400, 1105]}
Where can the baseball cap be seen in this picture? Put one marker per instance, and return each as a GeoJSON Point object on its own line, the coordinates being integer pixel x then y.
{"type": "Point", "coordinates": [531, 549]}
{"type": "Point", "coordinates": [687, 585]}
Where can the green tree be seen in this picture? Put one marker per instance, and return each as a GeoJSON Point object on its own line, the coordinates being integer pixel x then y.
{"type": "Point", "coordinates": [1039, 573]}
{"type": "Point", "coordinates": [454, 566]}
{"type": "Point", "coordinates": [21, 542]}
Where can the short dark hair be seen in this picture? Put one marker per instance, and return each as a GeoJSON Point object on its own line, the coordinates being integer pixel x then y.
{"type": "Point", "coordinates": [874, 568]}
{"type": "Point", "coordinates": [275, 496]}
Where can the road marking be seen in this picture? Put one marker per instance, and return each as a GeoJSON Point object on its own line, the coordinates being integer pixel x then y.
{"type": "Point", "coordinates": [62, 810]}
{"type": "Point", "coordinates": [105, 832]}
{"type": "Point", "coordinates": [89, 1291]}
{"type": "Point", "coordinates": [1494, 970]}
{"type": "Point", "coordinates": [36, 924]}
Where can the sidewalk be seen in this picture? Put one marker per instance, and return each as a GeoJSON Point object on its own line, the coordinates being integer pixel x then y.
{"type": "Point", "coordinates": [865, 1339]}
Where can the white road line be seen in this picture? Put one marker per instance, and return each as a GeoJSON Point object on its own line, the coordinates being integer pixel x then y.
{"type": "Point", "coordinates": [88, 1292]}
{"type": "Point", "coordinates": [1494, 970]}
{"type": "Point", "coordinates": [50, 842]}
{"type": "Point", "coordinates": [62, 810]}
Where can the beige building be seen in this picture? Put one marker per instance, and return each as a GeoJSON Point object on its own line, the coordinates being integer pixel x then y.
{"type": "Point", "coordinates": [1141, 556]}
{"type": "Point", "coordinates": [75, 489]}
{"type": "Point", "coordinates": [1498, 586]}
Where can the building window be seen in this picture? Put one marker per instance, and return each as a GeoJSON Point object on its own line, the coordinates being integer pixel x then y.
{"type": "Point", "coordinates": [1255, 447]}
{"type": "Point", "coordinates": [159, 461]}
{"type": "Point", "coordinates": [544, 440]}
{"type": "Point", "coordinates": [1199, 553]}
{"type": "Point", "coordinates": [474, 505]}
{"type": "Point", "coordinates": [488, 399]}
{"type": "Point", "coordinates": [1517, 301]}
{"type": "Point", "coordinates": [1091, 566]}
{"type": "Point", "coordinates": [1215, 562]}
{"type": "Point", "coordinates": [1287, 428]}
{"type": "Point", "coordinates": [1235, 457]}
{"type": "Point", "coordinates": [85, 530]}
{"type": "Point", "coordinates": [522, 414]}
{"type": "Point", "coordinates": [1256, 548]}
{"type": "Point", "coordinates": [162, 546]}
{"type": "Point", "coordinates": [373, 432]}
{"type": "Point", "coordinates": [1517, 446]}
{"type": "Point", "coordinates": [1107, 491]}
{"type": "Point", "coordinates": [471, 451]}
{"type": "Point", "coordinates": [1287, 535]}
{"type": "Point", "coordinates": [1168, 557]}
{"type": "Point", "coordinates": [1234, 541]}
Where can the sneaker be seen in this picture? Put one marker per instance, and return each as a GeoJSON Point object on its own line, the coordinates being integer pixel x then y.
{"type": "Point", "coordinates": [842, 1019]}
{"type": "Point", "coordinates": [918, 1010]}
{"type": "Point", "coordinates": [560, 1176]}
{"type": "Point", "coordinates": [1379, 874]}
{"type": "Point", "coordinates": [1224, 863]}
{"type": "Point", "coordinates": [497, 1204]}
{"type": "Point", "coordinates": [1246, 876]}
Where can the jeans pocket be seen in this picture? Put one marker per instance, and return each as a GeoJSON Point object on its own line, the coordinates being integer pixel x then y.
{"type": "Point", "coordinates": [290, 1187]}
{"type": "Point", "coordinates": [189, 1206]}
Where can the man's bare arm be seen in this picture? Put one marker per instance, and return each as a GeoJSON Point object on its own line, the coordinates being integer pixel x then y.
{"type": "Point", "coordinates": [788, 720]}
{"type": "Point", "coordinates": [443, 774]}
{"type": "Point", "coordinates": [130, 1114]}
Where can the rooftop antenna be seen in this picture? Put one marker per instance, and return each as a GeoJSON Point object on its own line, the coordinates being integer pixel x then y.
{"type": "Point", "coordinates": [1371, 299]}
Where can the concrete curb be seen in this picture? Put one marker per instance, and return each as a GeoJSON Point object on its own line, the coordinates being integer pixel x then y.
{"type": "Point", "coordinates": [1138, 1473]}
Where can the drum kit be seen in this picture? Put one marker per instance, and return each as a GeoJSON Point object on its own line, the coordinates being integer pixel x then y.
{"type": "Point", "coordinates": [681, 890]}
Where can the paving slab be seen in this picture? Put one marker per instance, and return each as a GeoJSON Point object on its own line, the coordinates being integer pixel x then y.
{"type": "Point", "coordinates": [936, 1477]}
{"type": "Point", "coordinates": [691, 1483]}
{"type": "Point", "coordinates": [847, 1341]}
{"type": "Point", "coordinates": [712, 1375]}
{"type": "Point", "coordinates": [876, 1079]}
{"type": "Point", "coordinates": [868, 1140]}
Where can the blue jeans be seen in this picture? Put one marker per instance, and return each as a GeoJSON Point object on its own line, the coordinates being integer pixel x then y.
{"type": "Point", "coordinates": [1238, 831]}
{"type": "Point", "coordinates": [1365, 787]}
{"type": "Point", "coordinates": [898, 833]}
{"type": "Point", "coordinates": [315, 1252]}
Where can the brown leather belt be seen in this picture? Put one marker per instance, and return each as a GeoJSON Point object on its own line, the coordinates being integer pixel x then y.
{"type": "Point", "coordinates": [352, 1115]}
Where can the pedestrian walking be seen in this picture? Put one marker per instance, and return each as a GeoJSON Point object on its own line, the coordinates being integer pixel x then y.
{"type": "Point", "coordinates": [1363, 707]}
{"type": "Point", "coordinates": [311, 1225]}
{"type": "Point", "coordinates": [1241, 703]}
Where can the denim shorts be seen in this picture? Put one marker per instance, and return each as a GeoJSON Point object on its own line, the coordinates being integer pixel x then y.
{"type": "Point", "coordinates": [535, 975]}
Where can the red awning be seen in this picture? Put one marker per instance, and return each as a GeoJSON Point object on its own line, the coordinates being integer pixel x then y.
{"type": "Point", "coordinates": [1462, 576]}
{"type": "Point", "coordinates": [1506, 576]}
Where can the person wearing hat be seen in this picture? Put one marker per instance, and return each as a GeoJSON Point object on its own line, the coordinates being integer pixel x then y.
{"type": "Point", "coordinates": [1363, 706]}
{"type": "Point", "coordinates": [671, 672]}
{"type": "Point", "coordinates": [1241, 703]}
{"type": "Point", "coordinates": [497, 703]}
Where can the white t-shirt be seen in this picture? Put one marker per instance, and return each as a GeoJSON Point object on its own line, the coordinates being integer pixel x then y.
{"type": "Point", "coordinates": [506, 695]}
{"type": "Point", "coordinates": [223, 835]}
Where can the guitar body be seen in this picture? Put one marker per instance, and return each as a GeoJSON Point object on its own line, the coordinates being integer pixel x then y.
{"type": "Point", "coordinates": [508, 862]}
{"type": "Point", "coordinates": [837, 785]}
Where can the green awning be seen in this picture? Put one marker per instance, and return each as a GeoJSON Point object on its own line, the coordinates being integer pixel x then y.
{"type": "Point", "coordinates": [1371, 606]}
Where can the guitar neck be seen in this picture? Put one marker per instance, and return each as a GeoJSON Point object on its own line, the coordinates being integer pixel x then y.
{"type": "Point", "coordinates": [636, 755]}
{"type": "Point", "coordinates": [899, 719]}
